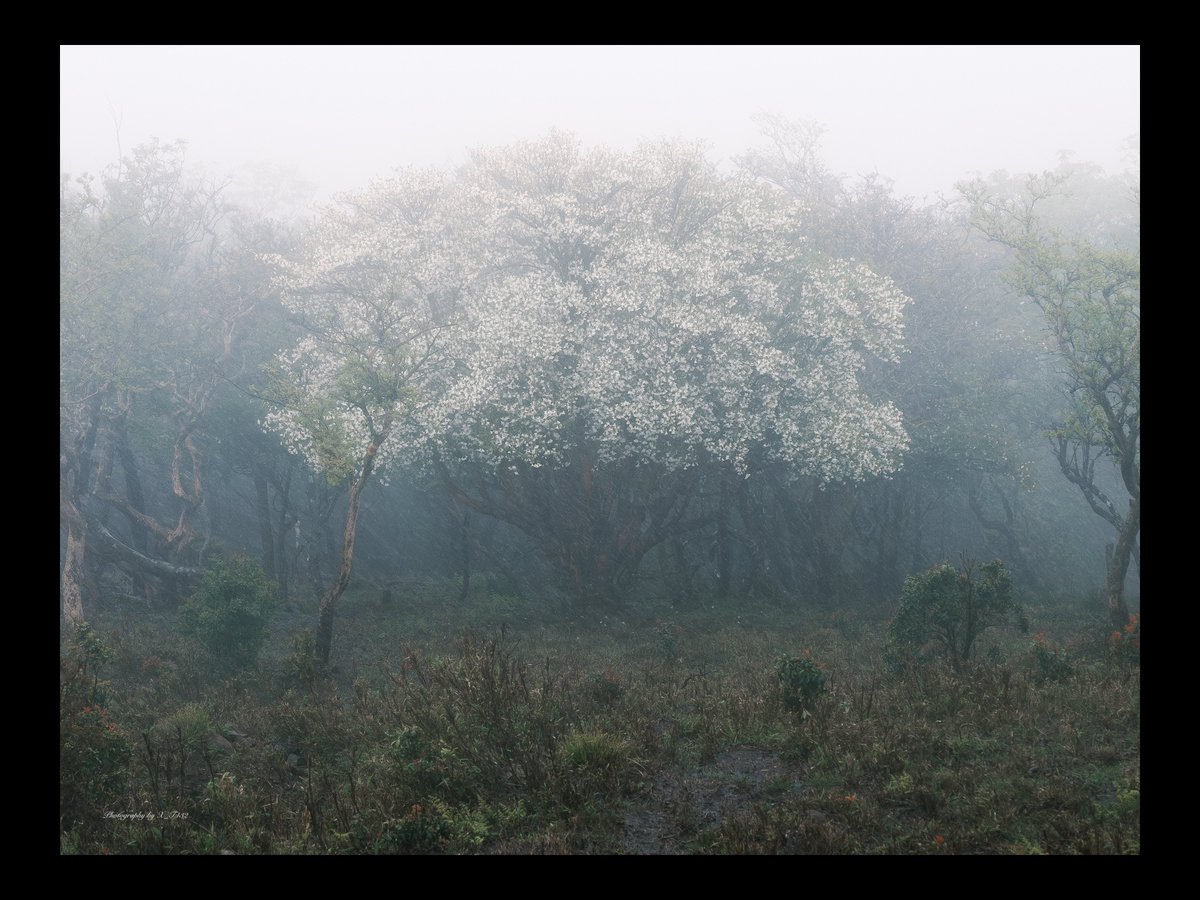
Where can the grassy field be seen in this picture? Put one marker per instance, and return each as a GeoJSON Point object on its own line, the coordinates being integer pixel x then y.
{"type": "Point", "coordinates": [492, 726]}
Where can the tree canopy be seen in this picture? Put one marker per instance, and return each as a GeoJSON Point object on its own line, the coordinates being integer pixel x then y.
{"type": "Point", "coordinates": [1089, 290]}
{"type": "Point", "coordinates": [560, 310]}
{"type": "Point", "coordinates": [643, 306]}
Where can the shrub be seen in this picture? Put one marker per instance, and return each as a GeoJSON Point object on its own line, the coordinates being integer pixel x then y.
{"type": "Point", "coordinates": [1125, 646]}
{"type": "Point", "coordinates": [488, 708]}
{"type": "Point", "coordinates": [189, 725]}
{"type": "Point", "coordinates": [669, 638]}
{"type": "Point", "coordinates": [595, 751]}
{"type": "Point", "coordinates": [93, 749]}
{"type": "Point", "coordinates": [951, 608]}
{"type": "Point", "coordinates": [301, 665]}
{"type": "Point", "coordinates": [801, 680]}
{"type": "Point", "coordinates": [229, 610]}
{"type": "Point", "coordinates": [418, 830]}
{"type": "Point", "coordinates": [1051, 664]}
{"type": "Point", "coordinates": [420, 765]}
{"type": "Point", "coordinates": [848, 625]}
{"type": "Point", "coordinates": [594, 763]}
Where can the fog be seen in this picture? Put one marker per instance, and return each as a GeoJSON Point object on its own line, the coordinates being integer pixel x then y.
{"type": "Point", "coordinates": [599, 450]}
{"type": "Point", "coordinates": [904, 383]}
{"type": "Point", "coordinates": [924, 116]}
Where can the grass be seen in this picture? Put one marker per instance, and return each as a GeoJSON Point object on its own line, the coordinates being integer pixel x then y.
{"type": "Point", "coordinates": [490, 726]}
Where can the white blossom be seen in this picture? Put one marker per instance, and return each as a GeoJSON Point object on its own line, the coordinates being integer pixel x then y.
{"type": "Point", "coordinates": [546, 298]}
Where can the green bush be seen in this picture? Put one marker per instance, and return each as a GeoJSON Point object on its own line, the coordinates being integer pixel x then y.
{"type": "Point", "coordinates": [595, 751]}
{"type": "Point", "coordinates": [594, 763]}
{"type": "Point", "coordinates": [229, 610]}
{"type": "Point", "coordinates": [801, 681]}
{"type": "Point", "coordinates": [1051, 664]}
{"type": "Point", "coordinates": [189, 725]}
{"type": "Point", "coordinates": [950, 608]}
{"type": "Point", "coordinates": [1125, 646]}
{"type": "Point", "coordinates": [301, 665]}
{"type": "Point", "coordinates": [418, 830]}
{"type": "Point", "coordinates": [93, 748]}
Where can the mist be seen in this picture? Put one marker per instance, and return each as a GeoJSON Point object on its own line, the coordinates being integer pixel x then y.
{"type": "Point", "coordinates": [923, 116]}
{"type": "Point", "coordinates": [600, 450]}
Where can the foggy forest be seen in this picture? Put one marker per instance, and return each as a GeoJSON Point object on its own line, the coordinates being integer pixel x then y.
{"type": "Point", "coordinates": [582, 498]}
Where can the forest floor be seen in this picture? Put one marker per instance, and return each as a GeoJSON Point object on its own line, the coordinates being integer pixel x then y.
{"type": "Point", "coordinates": [490, 726]}
{"type": "Point", "coordinates": [679, 802]}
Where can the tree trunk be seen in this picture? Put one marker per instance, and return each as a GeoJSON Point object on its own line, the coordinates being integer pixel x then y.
{"type": "Point", "coordinates": [75, 470]}
{"type": "Point", "coordinates": [682, 590]}
{"type": "Point", "coordinates": [465, 536]}
{"type": "Point", "coordinates": [724, 542]}
{"type": "Point", "coordinates": [73, 572]}
{"type": "Point", "coordinates": [139, 537]}
{"type": "Point", "coordinates": [283, 565]}
{"type": "Point", "coordinates": [170, 573]}
{"type": "Point", "coordinates": [266, 534]}
{"type": "Point", "coordinates": [594, 526]}
{"type": "Point", "coordinates": [342, 581]}
{"type": "Point", "coordinates": [321, 503]}
{"type": "Point", "coordinates": [1118, 564]}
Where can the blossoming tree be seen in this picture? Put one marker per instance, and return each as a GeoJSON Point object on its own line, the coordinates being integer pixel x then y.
{"type": "Point", "coordinates": [572, 339]}
{"type": "Point", "coordinates": [373, 292]}
{"type": "Point", "coordinates": [639, 320]}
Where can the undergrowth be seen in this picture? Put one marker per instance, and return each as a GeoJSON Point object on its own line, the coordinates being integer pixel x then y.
{"type": "Point", "coordinates": [731, 730]}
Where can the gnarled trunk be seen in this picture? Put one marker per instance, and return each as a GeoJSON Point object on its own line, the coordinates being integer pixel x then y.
{"type": "Point", "coordinates": [1118, 564]}
{"type": "Point", "coordinates": [73, 573]}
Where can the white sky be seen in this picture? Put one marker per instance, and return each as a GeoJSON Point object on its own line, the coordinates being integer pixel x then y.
{"type": "Point", "coordinates": [923, 116]}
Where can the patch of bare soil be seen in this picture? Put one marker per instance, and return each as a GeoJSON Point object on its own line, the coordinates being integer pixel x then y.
{"type": "Point", "coordinates": [679, 805]}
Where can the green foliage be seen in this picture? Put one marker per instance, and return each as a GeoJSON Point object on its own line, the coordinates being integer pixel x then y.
{"type": "Point", "coordinates": [189, 725]}
{"type": "Point", "coordinates": [80, 667]}
{"type": "Point", "coordinates": [951, 608]}
{"type": "Point", "coordinates": [93, 760]}
{"type": "Point", "coordinates": [301, 665]}
{"type": "Point", "coordinates": [139, 363]}
{"type": "Point", "coordinates": [93, 748]}
{"type": "Point", "coordinates": [229, 610]}
{"type": "Point", "coordinates": [481, 749]}
{"type": "Point", "coordinates": [1125, 644]}
{"type": "Point", "coordinates": [670, 637]}
{"type": "Point", "coordinates": [487, 708]}
{"type": "Point", "coordinates": [88, 647]}
{"type": "Point", "coordinates": [848, 625]}
{"type": "Point", "coordinates": [424, 766]}
{"type": "Point", "coordinates": [1089, 290]}
{"type": "Point", "coordinates": [595, 751]}
{"type": "Point", "coordinates": [1051, 664]}
{"type": "Point", "coordinates": [595, 763]}
{"type": "Point", "coordinates": [419, 830]}
{"type": "Point", "coordinates": [801, 680]}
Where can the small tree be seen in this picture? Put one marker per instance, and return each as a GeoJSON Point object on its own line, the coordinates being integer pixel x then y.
{"type": "Point", "coordinates": [951, 608]}
{"type": "Point", "coordinates": [373, 292]}
{"type": "Point", "coordinates": [1090, 294]}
